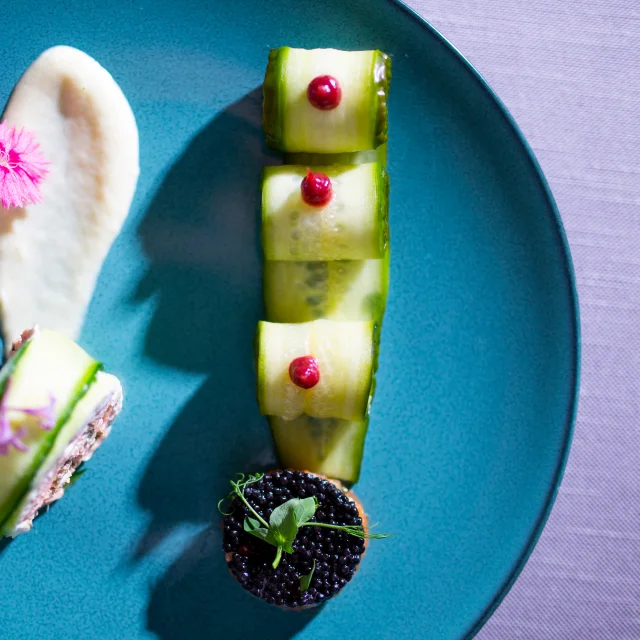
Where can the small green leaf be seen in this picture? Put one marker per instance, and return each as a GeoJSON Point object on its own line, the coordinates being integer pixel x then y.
{"type": "Point", "coordinates": [305, 581]}
{"type": "Point", "coordinates": [283, 523]}
{"type": "Point", "coordinates": [283, 513]}
{"type": "Point", "coordinates": [253, 527]}
{"type": "Point", "coordinates": [250, 524]}
{"type": "Point", "coordinates": [261, 533]}
{"type": "Point", "coordinates": [304, 510]}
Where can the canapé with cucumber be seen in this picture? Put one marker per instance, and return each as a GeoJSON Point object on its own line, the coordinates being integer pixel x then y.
{"type": "Point", "coordinates": [56, 408]}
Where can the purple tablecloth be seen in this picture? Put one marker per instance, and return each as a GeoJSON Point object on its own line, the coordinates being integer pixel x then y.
{"type": "Point", "coordinates": [569, 72]}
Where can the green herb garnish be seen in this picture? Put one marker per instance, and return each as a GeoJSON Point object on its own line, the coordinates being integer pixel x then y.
{"type": "Point", "coordinates": [305, 581]}
{"type": "Point", "coordinates": [286, 520]}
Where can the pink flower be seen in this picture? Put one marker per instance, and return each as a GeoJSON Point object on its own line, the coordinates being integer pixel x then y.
{"type": "Point", "coordinates": [10, 438]}
{"type": "Point", "coordinates": [22, 167]}
{"type": "Point", "coordinates": [45, 414]}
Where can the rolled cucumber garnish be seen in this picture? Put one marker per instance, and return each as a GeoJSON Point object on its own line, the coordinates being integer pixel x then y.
{"type": "Point", "coordinates": [325, 238]}
{"type": "Point", "coordinates": [325, 446]}
{"type": "Point", "coordinates": [357, 122]}
{"type": "Point", "coordinates": [324, 369]}
{"type": "Point", "coordinates": [352, 225]}
{"type": "Point", "coordinates": [346, 290]}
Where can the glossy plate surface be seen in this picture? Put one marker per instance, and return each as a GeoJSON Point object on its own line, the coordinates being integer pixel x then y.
{"type": "Point", "coordinates": [479, 363]}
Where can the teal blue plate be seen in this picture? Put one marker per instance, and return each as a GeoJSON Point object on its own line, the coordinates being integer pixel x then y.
{"type": "Point", "coordinates": [479, 363]}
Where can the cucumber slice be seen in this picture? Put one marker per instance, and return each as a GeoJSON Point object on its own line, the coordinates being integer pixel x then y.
{"type": "Point", "coordinates": [353, 226]}
{"type": "Point", "coordinates": [325, 159]}
{"type": "Point", "coordinates": [358, 123]}
{"type": "Point", "coordinates": [305, 291]}
{"type": "Point", "coordinates": [345, 352]}
{"type": "Point", "coordinates": [51, 364]}
{"type": "Point", "coordinates": [326, 446]}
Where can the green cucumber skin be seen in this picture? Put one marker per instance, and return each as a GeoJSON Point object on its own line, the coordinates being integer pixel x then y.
{"type": "Point", "coordinates": [375, 347]}
{"type": "Point", "coordinates": [263, 208]}
{"type": "Point", "coordinates": [259, 360]}
{"type": "Point", "coordinates": [24, 485]}
{"type": "Point", "coordinates": [385, 291]}
{"type": "Point", "coordinates": [273, 98]}
{"type": "Point", "coordinates": [327, 159]}
{"type": "Point", "coordinates": [383, 187]}
{"type": "Point", "coordinates": [382, 74]}
{"type": "Point", "coordinates": [10, 365]}
{"type": "Point", "coordinates": [302, 459]}
{"type": "Point", "coordinates": [272, 113]}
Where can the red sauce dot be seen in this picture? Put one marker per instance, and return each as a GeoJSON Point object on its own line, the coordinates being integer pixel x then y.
{"type": "Point", "coordinates": [304, 372]}
{"type": "Point", "coordinates": [316, 189]}
{"type": "Point", "coordinates": [324, 93]}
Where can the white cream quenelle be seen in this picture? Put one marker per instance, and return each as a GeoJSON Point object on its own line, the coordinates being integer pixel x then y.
{"type": "Point", "coordinates": [51, 252]}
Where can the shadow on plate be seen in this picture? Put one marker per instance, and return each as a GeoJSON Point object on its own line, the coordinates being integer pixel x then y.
{"type": "Point", "coordinates": [197, 599]}
{"type": "Point", "coordinates": [201, 236]}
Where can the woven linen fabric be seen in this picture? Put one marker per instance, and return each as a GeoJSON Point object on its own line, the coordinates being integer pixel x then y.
{"type": "Point", "coordinates": [568, 70]}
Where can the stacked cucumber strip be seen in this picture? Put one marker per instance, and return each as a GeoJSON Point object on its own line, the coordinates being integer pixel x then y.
{"type": "Point", "coordinates": [328, 446]}
{"type": "Point", "coordinates": [347, 290]}
{"type": "Point", "coordinates": [326, 270]}
{"type": "Point", "coordinates": [292, 124]}
{"type": "Point", "coordinates": [353, 226]}
{"type": "Point", "coordinates": [345, 355]}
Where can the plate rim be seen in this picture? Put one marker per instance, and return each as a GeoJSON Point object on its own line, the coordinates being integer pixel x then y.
{"type": "Point", "coordinates": [570, 276]}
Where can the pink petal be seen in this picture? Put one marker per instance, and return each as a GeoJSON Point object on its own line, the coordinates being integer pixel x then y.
{"type": "Point", "coordinates": [9, 438]}
{"type": "Point", "coordinates": [45, 414]}
{"type": "Point", "coordinates": [22, 167]}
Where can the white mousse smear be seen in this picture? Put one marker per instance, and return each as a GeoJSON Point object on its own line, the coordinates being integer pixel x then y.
{"type": "Point", "coordinates": [51, 252]}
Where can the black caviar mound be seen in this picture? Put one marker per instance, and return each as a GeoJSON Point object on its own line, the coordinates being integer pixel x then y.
{"type": "Point", "coordinates": [337, 554]}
